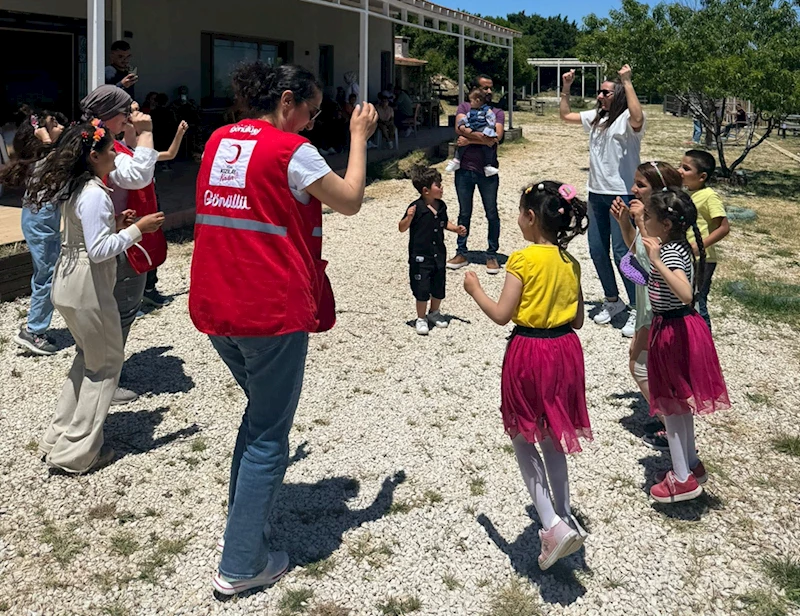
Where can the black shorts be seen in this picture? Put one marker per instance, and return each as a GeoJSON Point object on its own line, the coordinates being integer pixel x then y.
{"type": "Point", "coordinates": [427, 277]}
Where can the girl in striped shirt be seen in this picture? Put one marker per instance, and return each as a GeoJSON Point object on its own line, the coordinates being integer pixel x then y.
{"type": "Point", "coordinates": [683, 368]}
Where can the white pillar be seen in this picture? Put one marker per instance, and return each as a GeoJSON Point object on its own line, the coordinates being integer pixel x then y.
{"type": "Point", "coordinates": [597, 76]}
{"type": "Point", "coordinates": [511, 83]}
{"type": "Point", "coordinates": [558, 79]}
{"type": "Point", "coordinates": [538, 79]}
{"type": "Point", "coordinates": [96, 42]}
{"type": "Point", "coordinates": [461, 65]}
{"type": "Point", "coordinates": [363, 55]}
{"type": "Point", "coordinates": [583, 82]}
{"type": "Point", "coordinates": [117, 18]}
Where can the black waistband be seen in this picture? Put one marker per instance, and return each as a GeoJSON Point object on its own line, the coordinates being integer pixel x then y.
{"type": "Point", "coordinates": [677, 313]}
{"type": "Point", "coordinates": [535, 332]}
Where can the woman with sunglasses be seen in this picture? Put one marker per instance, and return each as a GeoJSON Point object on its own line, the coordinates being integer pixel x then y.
{"type": "Point", "coordinates": [615, 128]}
{"type": "Point", "coordinates": [132, 187]}
{"type": "Point", "coordinates": [258, 283]}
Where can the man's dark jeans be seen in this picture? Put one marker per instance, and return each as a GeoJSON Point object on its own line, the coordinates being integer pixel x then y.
{"type": "Point", "coordinates": [466, 181]}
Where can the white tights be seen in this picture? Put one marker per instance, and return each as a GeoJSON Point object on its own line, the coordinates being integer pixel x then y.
{"type": "Point", "coordinates": [535, 473]}
{"type": "Point", "coordinates": [680, 435]}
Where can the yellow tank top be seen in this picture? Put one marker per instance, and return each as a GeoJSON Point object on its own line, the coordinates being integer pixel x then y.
{"type": "Point", "coordinates": [551, 281]}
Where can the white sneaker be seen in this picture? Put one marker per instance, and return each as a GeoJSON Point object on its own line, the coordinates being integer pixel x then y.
{"type": "Point", "coordinates": [221, 544]}
{"type": "Point", "coordinates": [408, 132]}
{"type": "Point", "coordinates": [437, 319]}
{"type": "Point", "coordinates": [609, 311]}
{"type": "Point", "coordinates": [422, 327]}
{"type": "Point", "coordinates": [391, 145]}
{"type": "Point", "coordinates": [489, 171]}
{"type": "Point", "coordinates": [629, 330]}
{"type": "Point", "coordinates": [453, 165]}
{"type": "Point", "coordinates": [371, 146]}
{"type": "Point", "coordinates": [276, 568]}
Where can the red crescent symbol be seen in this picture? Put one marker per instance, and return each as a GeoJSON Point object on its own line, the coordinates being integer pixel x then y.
{"type": "Point", "coordinates": [238, 154]}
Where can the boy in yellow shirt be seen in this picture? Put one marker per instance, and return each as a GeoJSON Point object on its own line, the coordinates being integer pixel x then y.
{"type": "Point", "coordinates": [696, 168]}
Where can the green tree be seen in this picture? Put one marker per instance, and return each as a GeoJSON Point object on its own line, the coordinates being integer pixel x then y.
{"type": "Point", "coordinates": [706, 54]}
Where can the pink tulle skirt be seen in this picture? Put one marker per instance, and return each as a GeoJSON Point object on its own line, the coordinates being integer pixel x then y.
{"type": "Point", "coordinates": [544, 391]}
{"type": "Point", "coordinates": [683, 367]}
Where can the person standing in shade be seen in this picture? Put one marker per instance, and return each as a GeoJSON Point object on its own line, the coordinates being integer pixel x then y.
{"type": "Point", "coordinates": [119, 72]}
{"type": "Point", "coordinates": [471, 174]}
{"type": "Point", "coordinates": [258, 284]}
{"type": "Point", "coordinates": [403, 109]}
{"type": "Point", "coordinates": [615, 128]}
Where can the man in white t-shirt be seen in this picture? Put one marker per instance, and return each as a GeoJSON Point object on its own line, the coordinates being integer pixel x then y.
{"type": "Point", "coordinates": [615, 128]}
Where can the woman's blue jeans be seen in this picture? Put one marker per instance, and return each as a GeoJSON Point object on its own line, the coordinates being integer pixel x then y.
{"type": "Point", "coordinates": [270, 371]}
{"type": "Point", "coordinates": [605, 235]}
{"type": "Point", "coordinates": [42, 232]}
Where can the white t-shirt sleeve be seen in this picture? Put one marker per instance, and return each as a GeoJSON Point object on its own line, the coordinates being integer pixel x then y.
{"type": "Point", "coordinates": [306, 167]}
{"type": "Point", "coordinates": [96, 212]}
{"type": "Point", "coordinates": [587, 117]}
{"type": "Point", "coordinates": [633, 133]}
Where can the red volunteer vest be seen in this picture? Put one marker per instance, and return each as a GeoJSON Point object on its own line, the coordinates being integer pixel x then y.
{"type": "Point", "coordinates": [151, 250]}
{"type": "Point", "coordinates": [257, 267]}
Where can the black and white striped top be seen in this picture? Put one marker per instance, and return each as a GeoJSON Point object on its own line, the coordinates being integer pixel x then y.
{"type": "Point", "coordinates": [676, 256]}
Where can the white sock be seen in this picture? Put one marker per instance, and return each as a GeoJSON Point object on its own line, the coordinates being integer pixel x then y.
{"type": "Point", "coordinates": [676, 436]}
{"type": "Point", "coordinates": [535, 477]}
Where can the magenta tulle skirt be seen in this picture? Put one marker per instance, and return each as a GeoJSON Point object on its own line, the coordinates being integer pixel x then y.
{"type": "Point", "coordinates": [544, 391]}
{"type": "Point", "coordinates": [683, 367]}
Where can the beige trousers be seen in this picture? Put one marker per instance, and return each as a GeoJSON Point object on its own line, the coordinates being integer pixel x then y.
{"type": "Point", "coordinates": [83, 292]}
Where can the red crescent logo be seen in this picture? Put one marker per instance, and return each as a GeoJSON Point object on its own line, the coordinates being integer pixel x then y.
{"type": "Point", "coordinates": [238, 154]}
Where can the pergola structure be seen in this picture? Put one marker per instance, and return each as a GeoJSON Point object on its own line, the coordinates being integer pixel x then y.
{"type": "Point", "coordinates": [566, 63]}
{"type": "Point", "coordinates": [414, 13]}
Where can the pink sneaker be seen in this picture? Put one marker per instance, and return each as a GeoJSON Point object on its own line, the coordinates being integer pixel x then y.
{"type": "Point", "coordinates": [673, 491]}
{"type": "Point", "coordinates": [557, 543]}
{"type": "Point", "coordinates": [698, 471]}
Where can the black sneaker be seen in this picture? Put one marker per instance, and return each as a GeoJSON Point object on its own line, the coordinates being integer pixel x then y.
{"type": "Point", "coordinates": [653, 426]}
{"type": "Point", "coordinates": [656, 440]}
{"type": "Point", "coordinates": [39, 345]}
{"type": "Point", "coordinates": [154, 298]}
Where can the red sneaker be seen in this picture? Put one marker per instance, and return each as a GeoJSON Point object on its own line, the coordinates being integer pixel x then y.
{"type": "Point", "coordinates": [673, 491]}
{"type": "Point", "coordinates": [698, 471]}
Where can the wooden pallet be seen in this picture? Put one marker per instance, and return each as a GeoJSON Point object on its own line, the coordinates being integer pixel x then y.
{"type": "Point", "coordinates": [15, 276]}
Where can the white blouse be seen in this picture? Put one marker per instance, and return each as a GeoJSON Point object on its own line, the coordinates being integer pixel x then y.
{"type": "Point", "coordinates": [95, 210]}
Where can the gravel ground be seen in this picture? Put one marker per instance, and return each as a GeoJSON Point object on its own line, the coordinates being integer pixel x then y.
{"type": "Point", "coordinates": [403, 493]}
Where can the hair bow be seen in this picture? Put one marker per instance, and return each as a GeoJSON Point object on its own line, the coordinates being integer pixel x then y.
{"type": "Point", "coordinates": [567, 192]}
{"type": "Point", "coordinates": [35, 121]}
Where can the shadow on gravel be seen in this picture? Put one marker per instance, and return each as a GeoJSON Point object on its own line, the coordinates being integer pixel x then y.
{"type": "Point", "coordinates": [132, 431]}
{"type": "Point", "coordinates": [640, 412]}
{"type": "Point", "coordinates": [154, 372]}
{"type": "Point", "coordinates": [310, 519]}
{"type": "Point", "coordinates": [447, 317]}
{"type": "Point", "coordinates": [594, 308]}
{"type": "Point", "coordinates": [478, 257]}
{"type": "Point", "coordinates": [556, 585]}
{"type": "Point", "coordinates": [689, 511]}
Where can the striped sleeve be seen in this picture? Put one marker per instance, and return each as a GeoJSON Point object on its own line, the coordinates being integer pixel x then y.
{"type": "Point", "coordinates": [675, 257]}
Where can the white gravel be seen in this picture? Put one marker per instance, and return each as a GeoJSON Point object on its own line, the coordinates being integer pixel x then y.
{"type": "Point", "coordinates": [381, 404]}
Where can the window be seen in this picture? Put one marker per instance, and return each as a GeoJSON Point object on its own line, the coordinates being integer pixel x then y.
{"type": "Point", "coordinates": [221, 54]}
{"type": "Point", "coordinates": [326, 65]}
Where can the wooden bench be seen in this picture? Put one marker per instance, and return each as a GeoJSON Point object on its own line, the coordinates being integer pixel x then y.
{"type": "Point", "coordinates": [792, 123]}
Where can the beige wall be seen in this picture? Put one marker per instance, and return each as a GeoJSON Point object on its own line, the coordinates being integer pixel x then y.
{"type": "Point", "coordinates": [166, 34]}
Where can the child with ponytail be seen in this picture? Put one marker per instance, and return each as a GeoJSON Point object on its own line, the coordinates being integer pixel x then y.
{"type": "Point", "coordinates": [684, 373]}
{"type": "Point", "coordinates": [543, 381]}
{"type": "Point", "coordinates": [83, 290]}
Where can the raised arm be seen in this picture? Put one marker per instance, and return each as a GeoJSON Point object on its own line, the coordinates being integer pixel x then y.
{"type": "Point", "coordinates": [346, 194]}
{"type": "Point", "coordinates": [634, 106]}
{"type": "Point", "coordinates": [172, 152]}
{"type": "Point", "coordinates": [564, 110]}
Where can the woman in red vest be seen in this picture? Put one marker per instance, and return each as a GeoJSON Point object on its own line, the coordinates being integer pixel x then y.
{"type": "Point", "coordinates": [258, 284]}
{"type": "Point", "coordinates": [133, 188]}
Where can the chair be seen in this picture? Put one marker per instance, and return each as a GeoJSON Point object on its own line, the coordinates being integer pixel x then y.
{"type": "Point", "coordinates": [413, 123]}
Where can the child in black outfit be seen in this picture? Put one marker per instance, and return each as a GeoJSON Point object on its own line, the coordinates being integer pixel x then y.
{"type": "Point", "coordinates": [427, 219]}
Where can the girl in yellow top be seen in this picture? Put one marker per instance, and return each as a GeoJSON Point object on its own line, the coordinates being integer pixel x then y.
{"type": "Point", "coordinates": [543, 382]}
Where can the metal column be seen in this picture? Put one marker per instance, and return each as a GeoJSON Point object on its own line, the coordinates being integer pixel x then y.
{"type": "Point", "coordinates": [583, 82]}
{"type": "Point", "coordinates": [511, 83]}
{"type": "Point", "coordinates": [96, 42]}
{"type": "Point", "coordinates": [363, 54]}
{"type": "Point", "coordinates": [461, 84]}
{"type": "Point", "coordinates": [558, 79]}
{"type": "Point", "coordinates": [117, 19]}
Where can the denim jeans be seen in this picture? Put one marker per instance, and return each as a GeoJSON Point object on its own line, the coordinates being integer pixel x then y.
{"type": "Point", "coordinates": [270, 371]}
{"type": "Point", "coordinates": [466, 181]}
{"type": "Point", "coordinates": [702, 294]}
{"type": "Point", "coordinates": [42, 232]}
{"type": "Point", "coordinates": [604, 235]}
{"type": "Point", "coordinates": [697, 130]}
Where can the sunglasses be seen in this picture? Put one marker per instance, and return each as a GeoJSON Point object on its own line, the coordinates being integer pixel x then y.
{"type": "Point", "coordinates": [314, 112]}
{"type": "Point", "coordinates": [605, 93]}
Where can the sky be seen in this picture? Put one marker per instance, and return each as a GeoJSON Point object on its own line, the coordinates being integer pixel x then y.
{"type": "Point", "coordinates": [575, 10]}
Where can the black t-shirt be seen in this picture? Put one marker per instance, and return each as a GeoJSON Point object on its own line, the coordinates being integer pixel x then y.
{"type": "Point", "coordinates": [426, 233]}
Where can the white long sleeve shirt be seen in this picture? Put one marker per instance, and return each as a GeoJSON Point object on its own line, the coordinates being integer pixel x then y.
{"type": "Point", "coordinates": [95, 210]}
{"type": "Point", "coordinates": [132, 173]}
